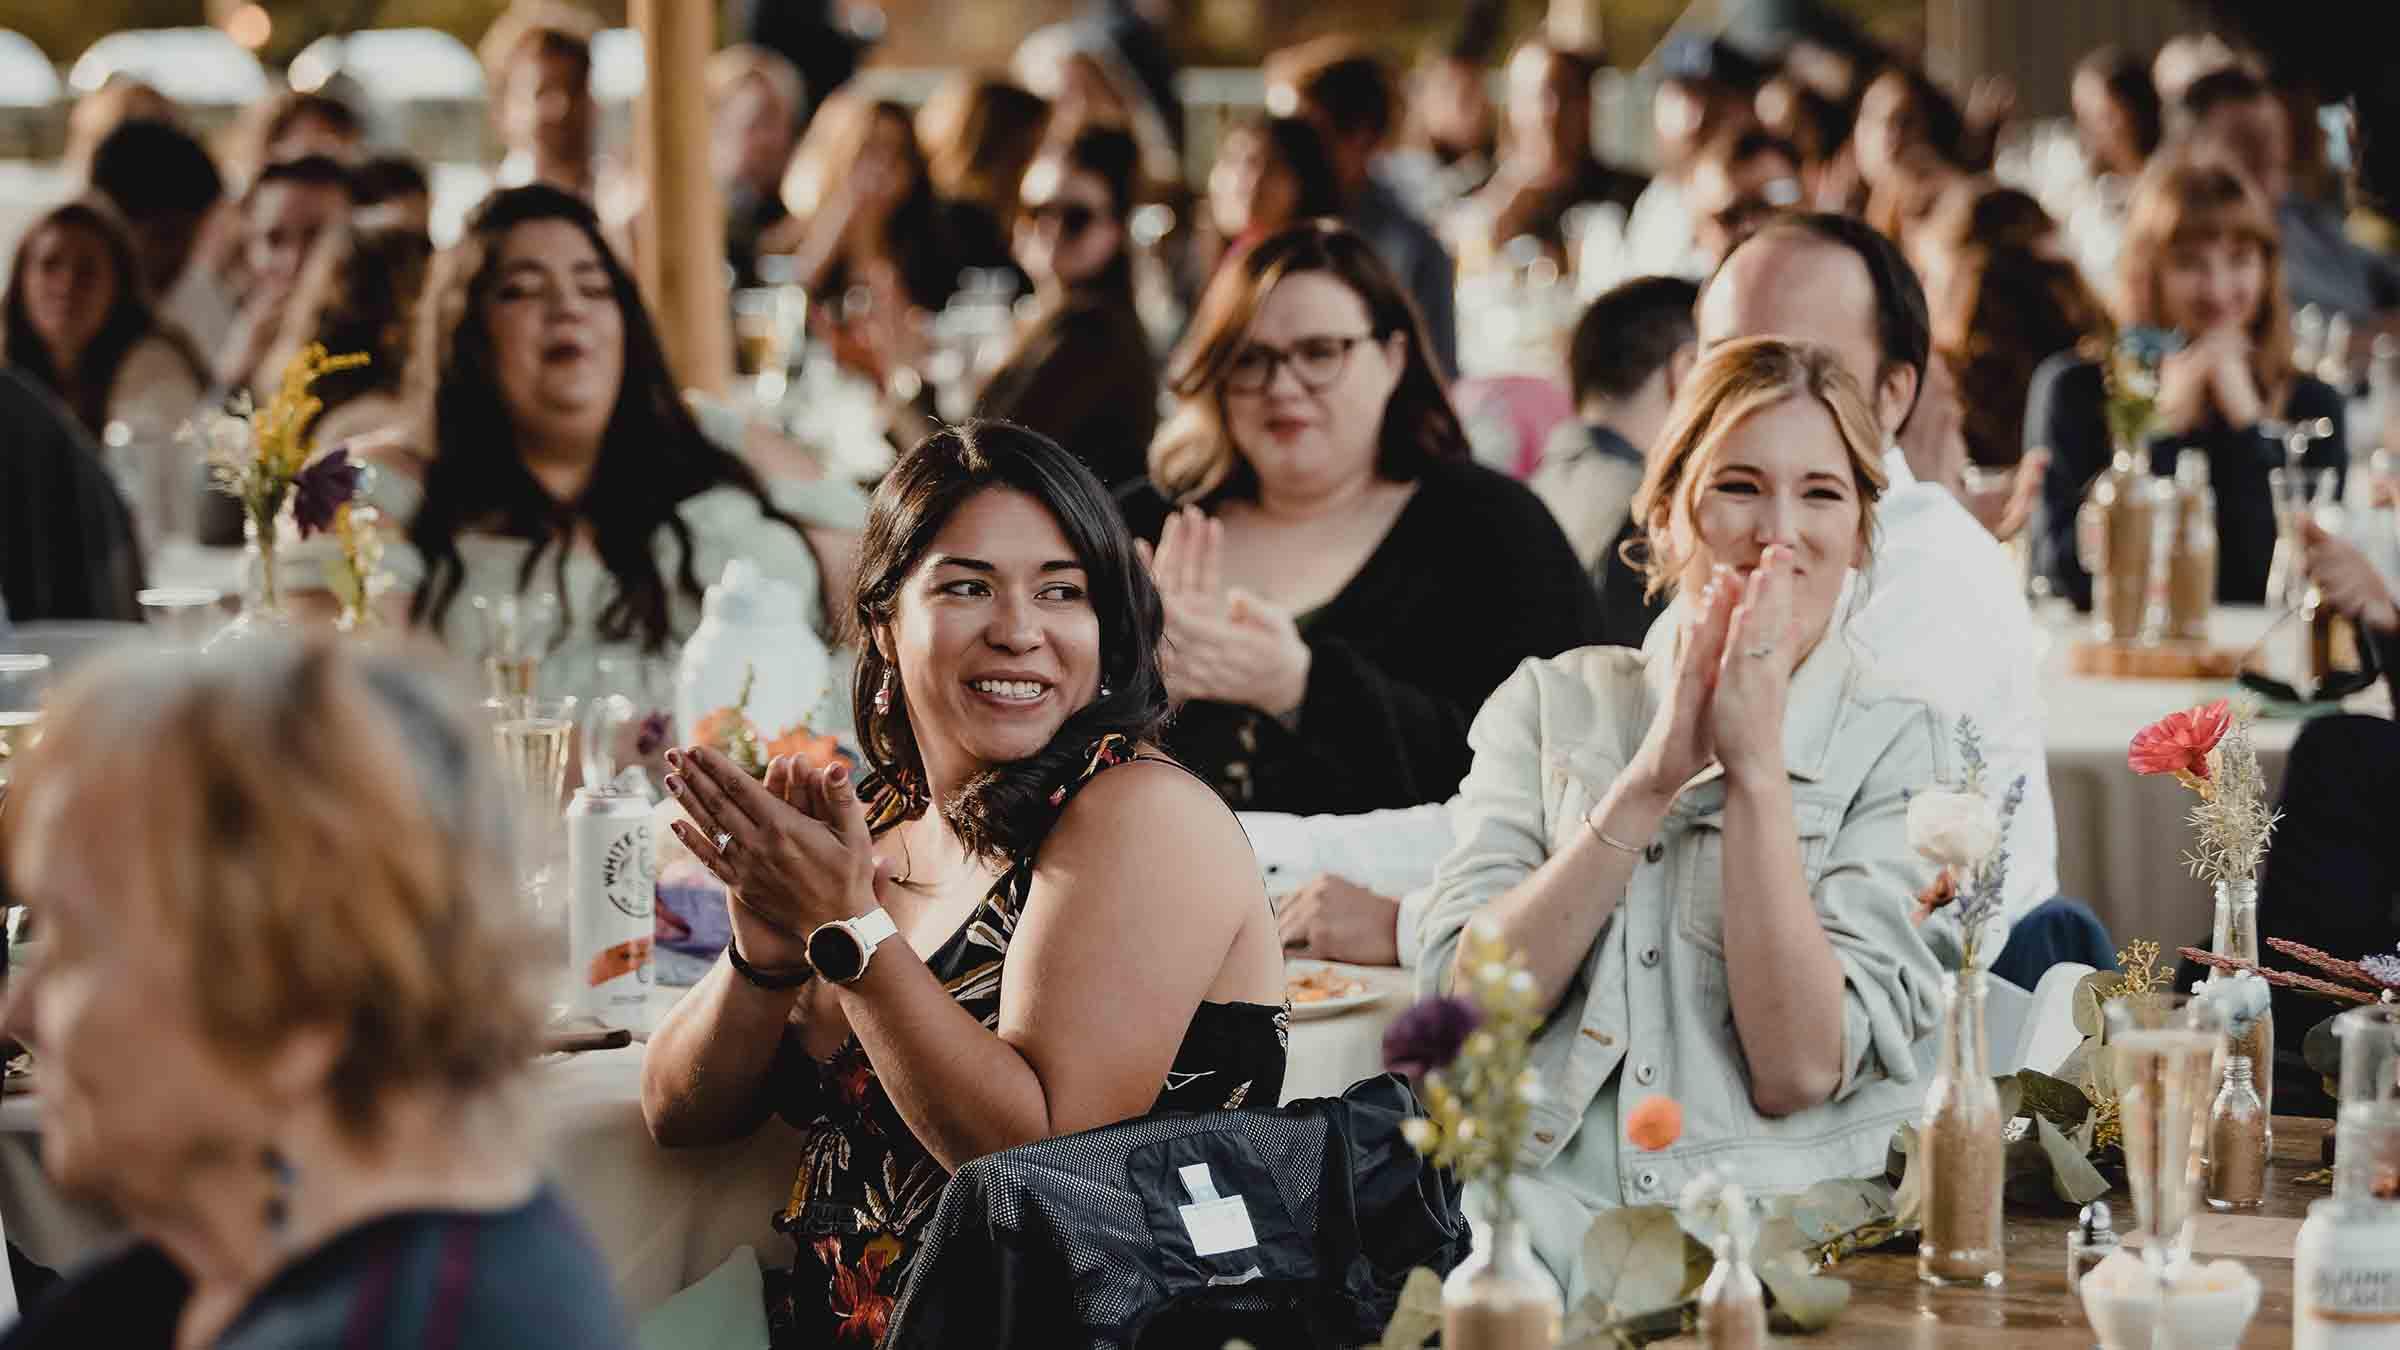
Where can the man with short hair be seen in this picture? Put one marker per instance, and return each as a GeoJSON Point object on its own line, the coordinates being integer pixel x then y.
{"type": "Point", "coordinates": [1943, 610]}
{"type": "Point", "coordinates": [1739, 184]}
{"type": "Point", "coordinates": [163, 182]}
{"type": "Point", "coordinates": [1627, 358]}
{"type": "Point", "coordinates": [291, 205]}
{"type": "Point", "coordinates": [1348, 94]}
{"type": "Point", "coordinates": [2235, 115]}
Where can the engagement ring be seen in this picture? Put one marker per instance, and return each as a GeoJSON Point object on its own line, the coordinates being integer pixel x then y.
{"type": "Point", "coordinates": [723, 842]}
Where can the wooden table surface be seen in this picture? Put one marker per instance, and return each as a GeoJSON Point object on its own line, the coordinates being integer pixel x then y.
{"type": "Point", "coordinates": [2035, 1310]}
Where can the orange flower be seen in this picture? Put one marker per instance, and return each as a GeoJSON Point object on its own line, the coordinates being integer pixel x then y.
{"type": "Point", "coordinates": [813, 752]}
{"type": "Point", "coordinates": [1655, 1123]}
{"type": "Point", "coordinates": [717, 729]}
{"type": "Point", "coordinates": [2180, 744]}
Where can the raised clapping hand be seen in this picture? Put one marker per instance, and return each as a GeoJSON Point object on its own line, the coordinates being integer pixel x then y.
{"type": "Point", "coordinates": [797, 850]}
{"type": "Point", "coordinates": [1223, 645]}
{"type": "Point", "coordinates": [1732, 674]}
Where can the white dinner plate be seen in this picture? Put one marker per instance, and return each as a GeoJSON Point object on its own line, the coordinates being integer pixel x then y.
{"type": "Point", "coordinates": [1330, 1007]}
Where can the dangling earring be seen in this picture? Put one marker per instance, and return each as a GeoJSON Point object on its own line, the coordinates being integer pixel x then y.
{"type": "Point", "coordinates": [1104, 689]}
{"type": "Point", "coordinates": [284, 1179]}
{"type": "Point", "coordinates": [883, 695]}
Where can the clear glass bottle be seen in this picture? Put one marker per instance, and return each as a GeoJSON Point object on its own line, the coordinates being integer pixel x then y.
{"type": "Point", "coordinates": [1959, 1134]}
{"type": "Point", "coordinates": [2346, 1262]}
{"type": "Point", "coordinates": [2192, 565]}
{"type": "Point", "coordinates": [2114, 537]}
{"type": "Point", "coordinates": [2237, 1141]}
{"type": "Point", "coordinates": [2235, 934]}
{"type": "Point", "coordinates": [2091, 1241]}
{"type": "Point", "coordinates": [1500, 1297]}
{"type": "Point", "coordinates": [262, 614]}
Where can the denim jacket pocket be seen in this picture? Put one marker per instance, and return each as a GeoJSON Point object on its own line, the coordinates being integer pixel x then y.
{"type": "Point", "coordinates": [1700, 864]}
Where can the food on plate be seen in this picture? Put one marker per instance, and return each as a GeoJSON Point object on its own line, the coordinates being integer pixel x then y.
{"type": "Point", "coordinates": [1320, 984]}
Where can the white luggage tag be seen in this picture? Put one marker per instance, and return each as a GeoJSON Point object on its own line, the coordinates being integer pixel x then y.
{"type": "Point", "coordinates": [1216, 1224]}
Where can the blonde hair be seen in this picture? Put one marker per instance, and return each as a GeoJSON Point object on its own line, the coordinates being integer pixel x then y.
{"type": "Point", "coordinates": [979, 132]}
{"type": "Point", "coordinates": [2187, 198]}
{"type": "Point", "coordinates": [1734, 381]}
{"type": "Point", "coordinates": [325, 843]}
{"type": "Point", "coordinates": [731, 68]}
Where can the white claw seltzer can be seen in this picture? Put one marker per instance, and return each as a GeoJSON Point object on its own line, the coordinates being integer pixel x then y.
{"type": "Point", "coordinates": [612, 887]}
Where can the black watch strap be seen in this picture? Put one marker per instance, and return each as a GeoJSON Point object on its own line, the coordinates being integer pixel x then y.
{"type": "Point", "coordinates": [789, 978]}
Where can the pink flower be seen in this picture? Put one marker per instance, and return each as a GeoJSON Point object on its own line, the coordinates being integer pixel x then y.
{"type": "Point", "coordinates": [2180, 743]}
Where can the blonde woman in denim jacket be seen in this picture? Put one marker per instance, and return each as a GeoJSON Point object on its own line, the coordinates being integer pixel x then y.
{"type": "Point", "coordinates": [1701, 847]}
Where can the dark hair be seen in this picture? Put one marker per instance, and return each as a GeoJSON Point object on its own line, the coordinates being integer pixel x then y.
{"type": "Point", "coordinates": [652, 458]}
{"type": "Point", "coordinates": [305, 171]}
{"type": "Point", "coordinates": [358, 292]}
{"type": "Point", "coordinates": [287, 111]}
{"type": "Point", "coordinates": [2221, 88]}
{"type": "Point", "coordinates": [1903, 330]}
{"type": "Point", "coordinates": [2127, 79]}
{"type": "Point", "coordinates": [1345, 81]}
{"type": "Point", "coordinates": [1003, 812]}
{"type": "Point", "coordinates": [1296, 144]}
{"type": "Point", "coordinates": [149, 168]}
{"type": "Point", "coordinates": [1110, 154]}
{"type": "Point", "coordinates": [1628, 334]}
{"type": "Point", "coordinates": [2008, 311]}
{"type": "Point", "coordinates": [1193, 457]}
{"type": "Point", "coordinates": [131, 317]}
{"type": "Point", "coordinates": [1756, 141]}
{"type": "Point", "coordinates": [385, 178]}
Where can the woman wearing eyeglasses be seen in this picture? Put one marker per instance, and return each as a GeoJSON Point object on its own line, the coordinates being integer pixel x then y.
{"type": "Point", "coordinates": [1344, 587]}
{"type": "Point", "coordinates": [1082, 372]}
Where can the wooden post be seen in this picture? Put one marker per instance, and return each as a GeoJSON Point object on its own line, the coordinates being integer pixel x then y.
{"type": "Point", "coordinates": [681, 247]}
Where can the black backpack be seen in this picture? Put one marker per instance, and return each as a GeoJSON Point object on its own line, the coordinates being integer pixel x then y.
{"type": "Point", "coordinates": [1293, 1228]}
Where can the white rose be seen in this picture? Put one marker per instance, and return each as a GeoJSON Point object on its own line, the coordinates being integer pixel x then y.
{"type": "Point", "coordinates": [1957, 829]}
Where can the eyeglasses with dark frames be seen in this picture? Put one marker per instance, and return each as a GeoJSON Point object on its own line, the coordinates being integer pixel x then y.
{"type": "Point", "coordinates": [1316, 362]}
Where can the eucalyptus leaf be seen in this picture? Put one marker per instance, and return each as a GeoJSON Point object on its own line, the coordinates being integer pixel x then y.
{"type": "Point", "coordinates": [2076, 1067]}
{"type": "Point", "coordinates": [1419, 1315]}
{"type": "Point", "coordinates": [2072, 1175]}
{"type": "Point", "coordinates": [1829, 1209]}
{"type": "Point", "coordinates": [1805, 1300]}
{"type": "Point", "coordinates": [1778, 1236]}
{"type": "Point", "coordinates": [1908, 1202]}
{"type": "Point", "coordinates": [2012, 1095]}
{"type": "Point", "coordinates": [2322, 1049]}
{"type": "Point", "coordinates": [2053, 1099]}
{"type": "Point", "coordinates": [2090, 992]}
{"type": "Point", "coordinates": [1634, 1260]}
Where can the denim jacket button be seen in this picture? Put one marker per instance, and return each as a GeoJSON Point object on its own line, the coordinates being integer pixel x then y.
{"type": "Point", "coordinates": [1645, 1074]}
{"type": "Point", "coordinates": [1648, 1181]}
{"type": "Point", "coordinates": [1649, 956]}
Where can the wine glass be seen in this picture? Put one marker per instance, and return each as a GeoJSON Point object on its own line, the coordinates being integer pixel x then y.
{"type": "Point", "coordinates": [517, 630]}
{"type": "Point", "coordinates": [184, 617]}
{"type": "Point", "coordinates": [2167, 1049]}
{"type": "Point", "coordinates": [532, 736]}
{"type": "Point", "coordinates": [24, 678]}
{"type": "Point", "coordinates": [637, 734]}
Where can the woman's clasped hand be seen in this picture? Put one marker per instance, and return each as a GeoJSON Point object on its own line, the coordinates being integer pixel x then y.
{"type": "Point", "coordinates": [1740, 645]}
{"type": "Point", "coordinates": [1224, 644]}
{"type": "Point", "coordinates": [796, 850]}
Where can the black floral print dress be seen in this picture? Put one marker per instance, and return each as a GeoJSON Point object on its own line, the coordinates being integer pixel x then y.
{"type": "Point", "coordinates": [866, 1188]}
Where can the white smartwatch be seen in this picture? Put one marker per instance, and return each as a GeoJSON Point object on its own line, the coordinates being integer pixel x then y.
{"type": "Point", "coordinates": [840, 950]}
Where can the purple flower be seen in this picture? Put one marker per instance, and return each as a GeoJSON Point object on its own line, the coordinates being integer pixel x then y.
{"type": "Point", "coordinates": [323, 488]}
{"type": "Point", "coordinates": [652, 735]}
{"type": "Point", "coordinates": [1428, 1035]}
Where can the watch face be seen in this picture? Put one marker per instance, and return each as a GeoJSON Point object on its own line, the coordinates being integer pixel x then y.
{"type": "Point", "coordinates": [836, 953]}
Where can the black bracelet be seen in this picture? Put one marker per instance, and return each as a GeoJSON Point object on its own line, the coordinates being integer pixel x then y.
{"type": "Point", "coordinates": [777, 980]}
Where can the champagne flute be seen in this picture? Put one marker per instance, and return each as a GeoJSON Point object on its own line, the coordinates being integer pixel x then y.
{"type": "Point", "coordinates": [24, 677]}
{"type": "Point", "coordinates": [2168, 1048]}
{"type": "Point", "coordinates": [532, 737]}
{"type": "Point", "coordinates": [517, 630]}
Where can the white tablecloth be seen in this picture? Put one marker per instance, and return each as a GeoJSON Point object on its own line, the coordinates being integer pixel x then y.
{"type": "Point", "coordinates": [2122, 838]}
{"type": "Point", "coordinates": [662, 1219]}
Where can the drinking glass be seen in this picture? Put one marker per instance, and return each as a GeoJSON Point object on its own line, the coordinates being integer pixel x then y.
{"type": "Point", "coordinates": [2167, 1048]}
{"type": "Point", "coordinates": [637, 734]}
{"type": "Point", "coordinates": [532, 736]}
{"type": "Point", "coordinates": [760, 342]}
{"type": "Point", "coordinates": [24, 678]}
{"type": "Point", "coordinates": [2300, 495]}
{"type": "Point", "coordinates": [2366, 1151]}
{"type": "Point", "coordinates": [517, 630]}
{"type": "Point", "coordinates": [184, 617]}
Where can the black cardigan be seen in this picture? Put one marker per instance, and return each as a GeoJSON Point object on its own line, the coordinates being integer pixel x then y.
{"type": "Point", "coordinates": [2066, 410]}
{"type": "Point", "coordinates": [1082, 375]}
{"type": "Point", "coordinates": [1474, 577]}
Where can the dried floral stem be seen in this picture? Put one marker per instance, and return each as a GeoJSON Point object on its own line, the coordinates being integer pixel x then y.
{"type": "Point", "coordinates": [2285, 978]}
{"type": "Point", "coordinates": [2327, 962]}
{"type": "Point", "coordinates": [2233, 821]}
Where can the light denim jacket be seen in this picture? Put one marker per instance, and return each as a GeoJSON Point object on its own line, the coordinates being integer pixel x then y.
{"type": "Point", "coordinates": [1651, 1011]}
